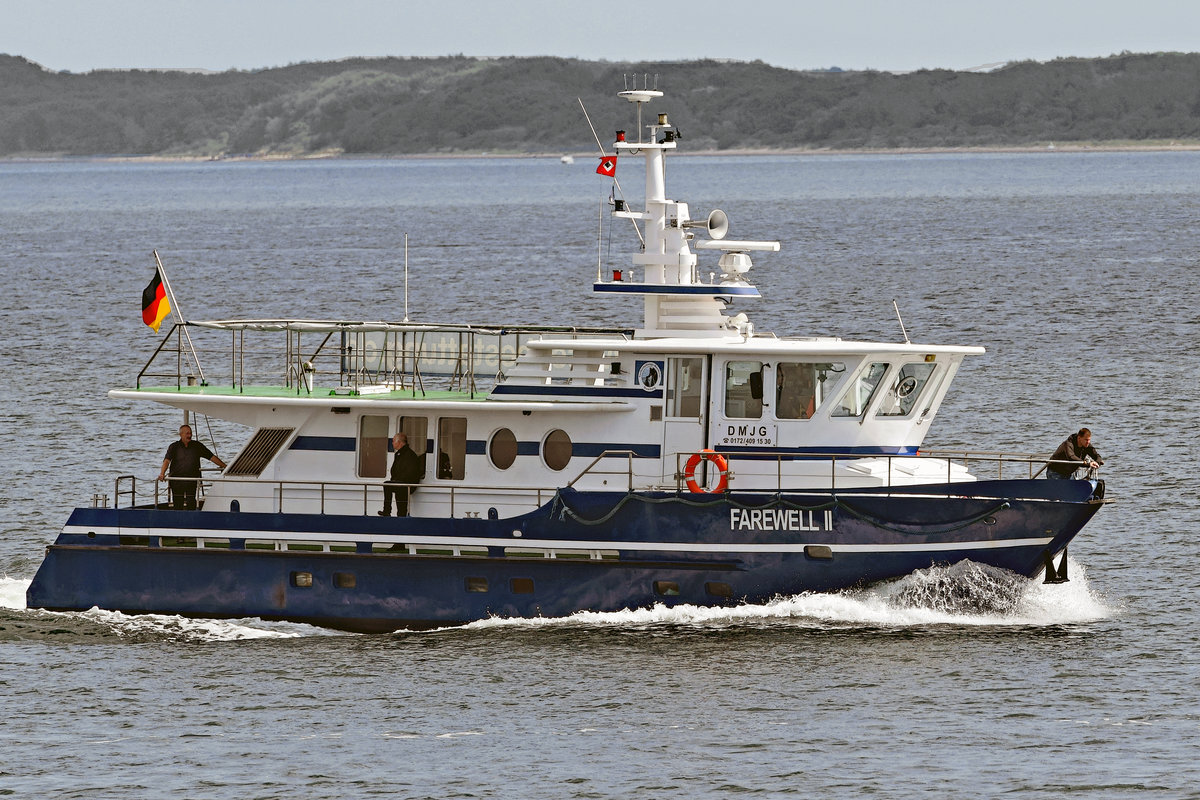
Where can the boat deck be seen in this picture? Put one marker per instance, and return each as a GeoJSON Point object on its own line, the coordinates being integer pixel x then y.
{"type": "Point", "coordinates": [362, 393]}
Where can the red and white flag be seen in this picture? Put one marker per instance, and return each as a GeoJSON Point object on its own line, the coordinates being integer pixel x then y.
{"type": "Point", "coordinates": [608, 166]}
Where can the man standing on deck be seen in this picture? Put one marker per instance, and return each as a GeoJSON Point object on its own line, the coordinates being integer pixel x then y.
{"type": "Point", "coordinates": [1078, 448]}
{"type": "Point", "coordinates": [183, 457]}
{"type": "Point", "coordinates": [406, 470]}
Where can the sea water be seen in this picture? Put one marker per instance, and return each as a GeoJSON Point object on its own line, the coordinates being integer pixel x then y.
{"type": "Point", "coordinates": [1077, 271]}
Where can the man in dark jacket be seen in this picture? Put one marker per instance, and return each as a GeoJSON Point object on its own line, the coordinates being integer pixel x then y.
{"type": "Point", "coordinates": [407, 469]}
{"type": "Point", "coordinates": [1078, 448]}
{"type": "Point", "coordinates": [183, 457]}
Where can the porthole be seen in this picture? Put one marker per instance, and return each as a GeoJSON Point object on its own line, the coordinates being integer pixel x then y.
{"type": "Point", "coordinates": [521, 585]}
{"type": "Point", "coordinates": [556, 449]}
{"type": "Point", "coordinates": [718, 589]}
{"type": "Point", "coordinates": [344, 580]}
{"type": "Point", "coordinates": [666, 588]}
{"type": "Point", "coordinates": [302, 580]}
{"type": "Point", "coordinates": [477, 584]}
{"type": "Point", "coordinates": [502, 449]}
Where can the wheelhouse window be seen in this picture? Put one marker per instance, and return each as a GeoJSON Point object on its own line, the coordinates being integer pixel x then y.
{"type": "Point", "coordinates": [452, 448]}
{"type": "Point", "coordinates": [857, 397]}
{"type": "Point", "coordinates": [801, 387]}
{"type": "Point", "coordinates": [743, 389]}
{"type": "Point", "coordinates": [417, 431]}
{"type": "Point", "coordinates": [372, 446]}
{"type": "Point", "coordinates": [906, 389]}
{"type": "Point", "coordinates": [684, 390]}
{"type": "Point", "coordinates": [556, 450]}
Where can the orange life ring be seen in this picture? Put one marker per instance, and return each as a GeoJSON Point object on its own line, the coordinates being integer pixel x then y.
{"type": "Point", "coordinates": [718, 461]}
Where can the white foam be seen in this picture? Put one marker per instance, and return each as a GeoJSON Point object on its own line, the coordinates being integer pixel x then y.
{"type": "Point", "coordinates": [12, 592]}
{"type": "Point", "coordinates": [207, 630]}
{"type": "Point", "coordinates": [12, 596]}
{"type": "Point", "coordinates": [963, 594]}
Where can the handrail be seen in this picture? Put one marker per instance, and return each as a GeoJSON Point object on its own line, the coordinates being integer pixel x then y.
{"type": "Point", "coordinates": [162, 496]}
{"type": "Point", "coordinates": [1000, 459]}
{"type": "Point", "coordinates": [455, 492]}
{"type": "Point", "coordinates": [607, 454]}
{"type": "Point", "coordinates": [403, 355]}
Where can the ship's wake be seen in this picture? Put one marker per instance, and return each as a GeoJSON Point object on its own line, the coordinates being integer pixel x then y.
{"type": "Point", "coordinates": [964, 594]}
{"type": "Point", "coordinates": [16, 622]}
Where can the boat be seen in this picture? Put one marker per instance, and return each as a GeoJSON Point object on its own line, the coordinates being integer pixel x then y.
{"type": "Point", "coordinates": [692, 460]}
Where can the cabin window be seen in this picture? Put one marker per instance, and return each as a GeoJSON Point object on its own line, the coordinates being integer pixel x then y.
{"type": "Point", "coordinates": [521, 585]}
{"type": "Point", "coordinates": [857, 397]}
{"type": "Point", "coordinates": [556, 449]}
{"type": "Point", "coordinates": [743, 389]}
{"type": "Point", "coordinates": [801, 387]}
{"type": "Point", "coordinates": [417, 431]}
{"type": "Point", "coordinates": [502, 449]}
{"type": "Point", "coordinates": [906, 389]}
{"type": "Point", "coordinates": [452, 448]}
{"type": "Point", "coordinates": [685, 387]}
{"type": "Point", "coordinates": [373, 440]}
{"type": "Point", "coordinates": [477, 584]}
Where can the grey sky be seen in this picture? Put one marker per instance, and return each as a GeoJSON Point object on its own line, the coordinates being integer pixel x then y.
{"type": "Point", "coordinates": [80, 35]}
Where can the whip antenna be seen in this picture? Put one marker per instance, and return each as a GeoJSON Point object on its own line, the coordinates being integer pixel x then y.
{"type": "Point", "coordinates": [600, 147]}
{"type": "Point", "coordinates": [902, 330]}
{"type": "Point", "coordinates": [588, 117]}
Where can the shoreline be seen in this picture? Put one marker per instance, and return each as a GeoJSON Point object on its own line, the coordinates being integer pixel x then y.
{"type": "Point", "coordinates": [1048, 148]}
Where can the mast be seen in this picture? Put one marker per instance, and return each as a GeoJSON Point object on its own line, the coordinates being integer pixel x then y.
{"type": "Point", "coordinates": [678, 301]}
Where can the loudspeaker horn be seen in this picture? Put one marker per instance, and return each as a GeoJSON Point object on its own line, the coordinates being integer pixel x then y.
{"type": "Point", "coordinates": [717, 224]}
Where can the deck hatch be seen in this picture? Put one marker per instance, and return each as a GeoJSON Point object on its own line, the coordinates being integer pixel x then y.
{"type": "Point", "coordinates": [259, 451]}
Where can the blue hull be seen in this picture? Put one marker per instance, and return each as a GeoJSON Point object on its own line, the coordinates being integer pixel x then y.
{"type": "Point", "coordinates": [599, 552]}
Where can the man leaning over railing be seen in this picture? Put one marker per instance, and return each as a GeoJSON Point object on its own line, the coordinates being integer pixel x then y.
{"type": "Point", "coordinates": [1077, 448]}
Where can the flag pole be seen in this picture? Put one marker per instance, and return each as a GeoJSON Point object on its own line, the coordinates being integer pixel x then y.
{"type": "Point", "coordinates": [182, 320]}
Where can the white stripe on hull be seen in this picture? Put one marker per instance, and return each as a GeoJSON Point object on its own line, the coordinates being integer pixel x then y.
{"type": "Point", "coordinates": [566, 544]}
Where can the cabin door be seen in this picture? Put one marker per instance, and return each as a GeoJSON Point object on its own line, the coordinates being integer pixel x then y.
{"type": "Point", "coordinates": [685, 419]}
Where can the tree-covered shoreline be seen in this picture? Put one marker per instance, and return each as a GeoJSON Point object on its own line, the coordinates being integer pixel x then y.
{"type": "Point", "coordinates": [458, 105]}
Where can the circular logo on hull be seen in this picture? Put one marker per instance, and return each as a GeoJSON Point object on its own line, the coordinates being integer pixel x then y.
{"type": "Point", "coordinates": [649, 376]}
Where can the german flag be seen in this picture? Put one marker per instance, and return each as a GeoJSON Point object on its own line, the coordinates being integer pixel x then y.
{"type": "Point", "coordinates": [155, 305]}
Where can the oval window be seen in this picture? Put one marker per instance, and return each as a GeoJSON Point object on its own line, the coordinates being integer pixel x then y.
{"type": "Point", "coordinates": [502, 450]}
{"type": "Point", "coordinates": [556, 449]}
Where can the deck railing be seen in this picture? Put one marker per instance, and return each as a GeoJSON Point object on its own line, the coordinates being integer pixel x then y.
{"type": "Point", "coordinates": [288, 494]}
{"type": "Point", "coordinates": [353, 356]}
{"type": "Point", "coordinates": [992, 463]}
